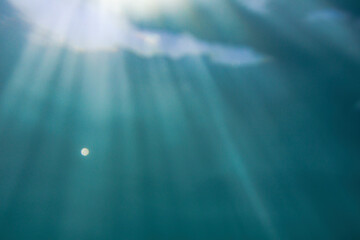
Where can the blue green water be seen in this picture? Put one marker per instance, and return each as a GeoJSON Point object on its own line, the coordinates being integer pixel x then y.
{"type": "Point", "coordinates": [193, 147]}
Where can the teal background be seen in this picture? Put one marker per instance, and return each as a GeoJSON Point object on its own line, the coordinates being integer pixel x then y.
{"type": "Point", "coordinates": [185, 149]}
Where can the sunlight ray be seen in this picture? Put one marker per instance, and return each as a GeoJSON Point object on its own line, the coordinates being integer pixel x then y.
{"type": "Point", "coordinates": [231, 152]}
{"type": "Point", "coordinates": [19, 80]}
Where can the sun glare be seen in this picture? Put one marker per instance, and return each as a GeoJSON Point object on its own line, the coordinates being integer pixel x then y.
{"type": "Point", "coordinates": [91, 24]}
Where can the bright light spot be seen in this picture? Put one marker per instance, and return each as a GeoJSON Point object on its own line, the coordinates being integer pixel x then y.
{"type": "Point", "coordinates": [85, 152]}
{"type": "Point", "coordinates": [92, 25]}
{"type": "Point", "coordinates": [107, 25]}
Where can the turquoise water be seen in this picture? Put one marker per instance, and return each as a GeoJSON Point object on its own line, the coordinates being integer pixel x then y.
{"type": "Point", "coordinates": [201, 146]}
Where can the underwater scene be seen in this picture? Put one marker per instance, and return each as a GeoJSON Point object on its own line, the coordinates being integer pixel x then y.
{"type": "Point", "coordinates": [179, 119]}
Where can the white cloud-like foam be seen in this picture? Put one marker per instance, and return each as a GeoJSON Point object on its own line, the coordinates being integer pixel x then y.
{"type": "Point", "coordinates": [259, 6]}
{"type": "Point", "coordinates": [181, 45]}
{"type": "Point", "coordinates": [336, 27]}
{"type": "Point", "coordinates": [85, 26]}
{"type": "Point", "coordinates": [328, 14]}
